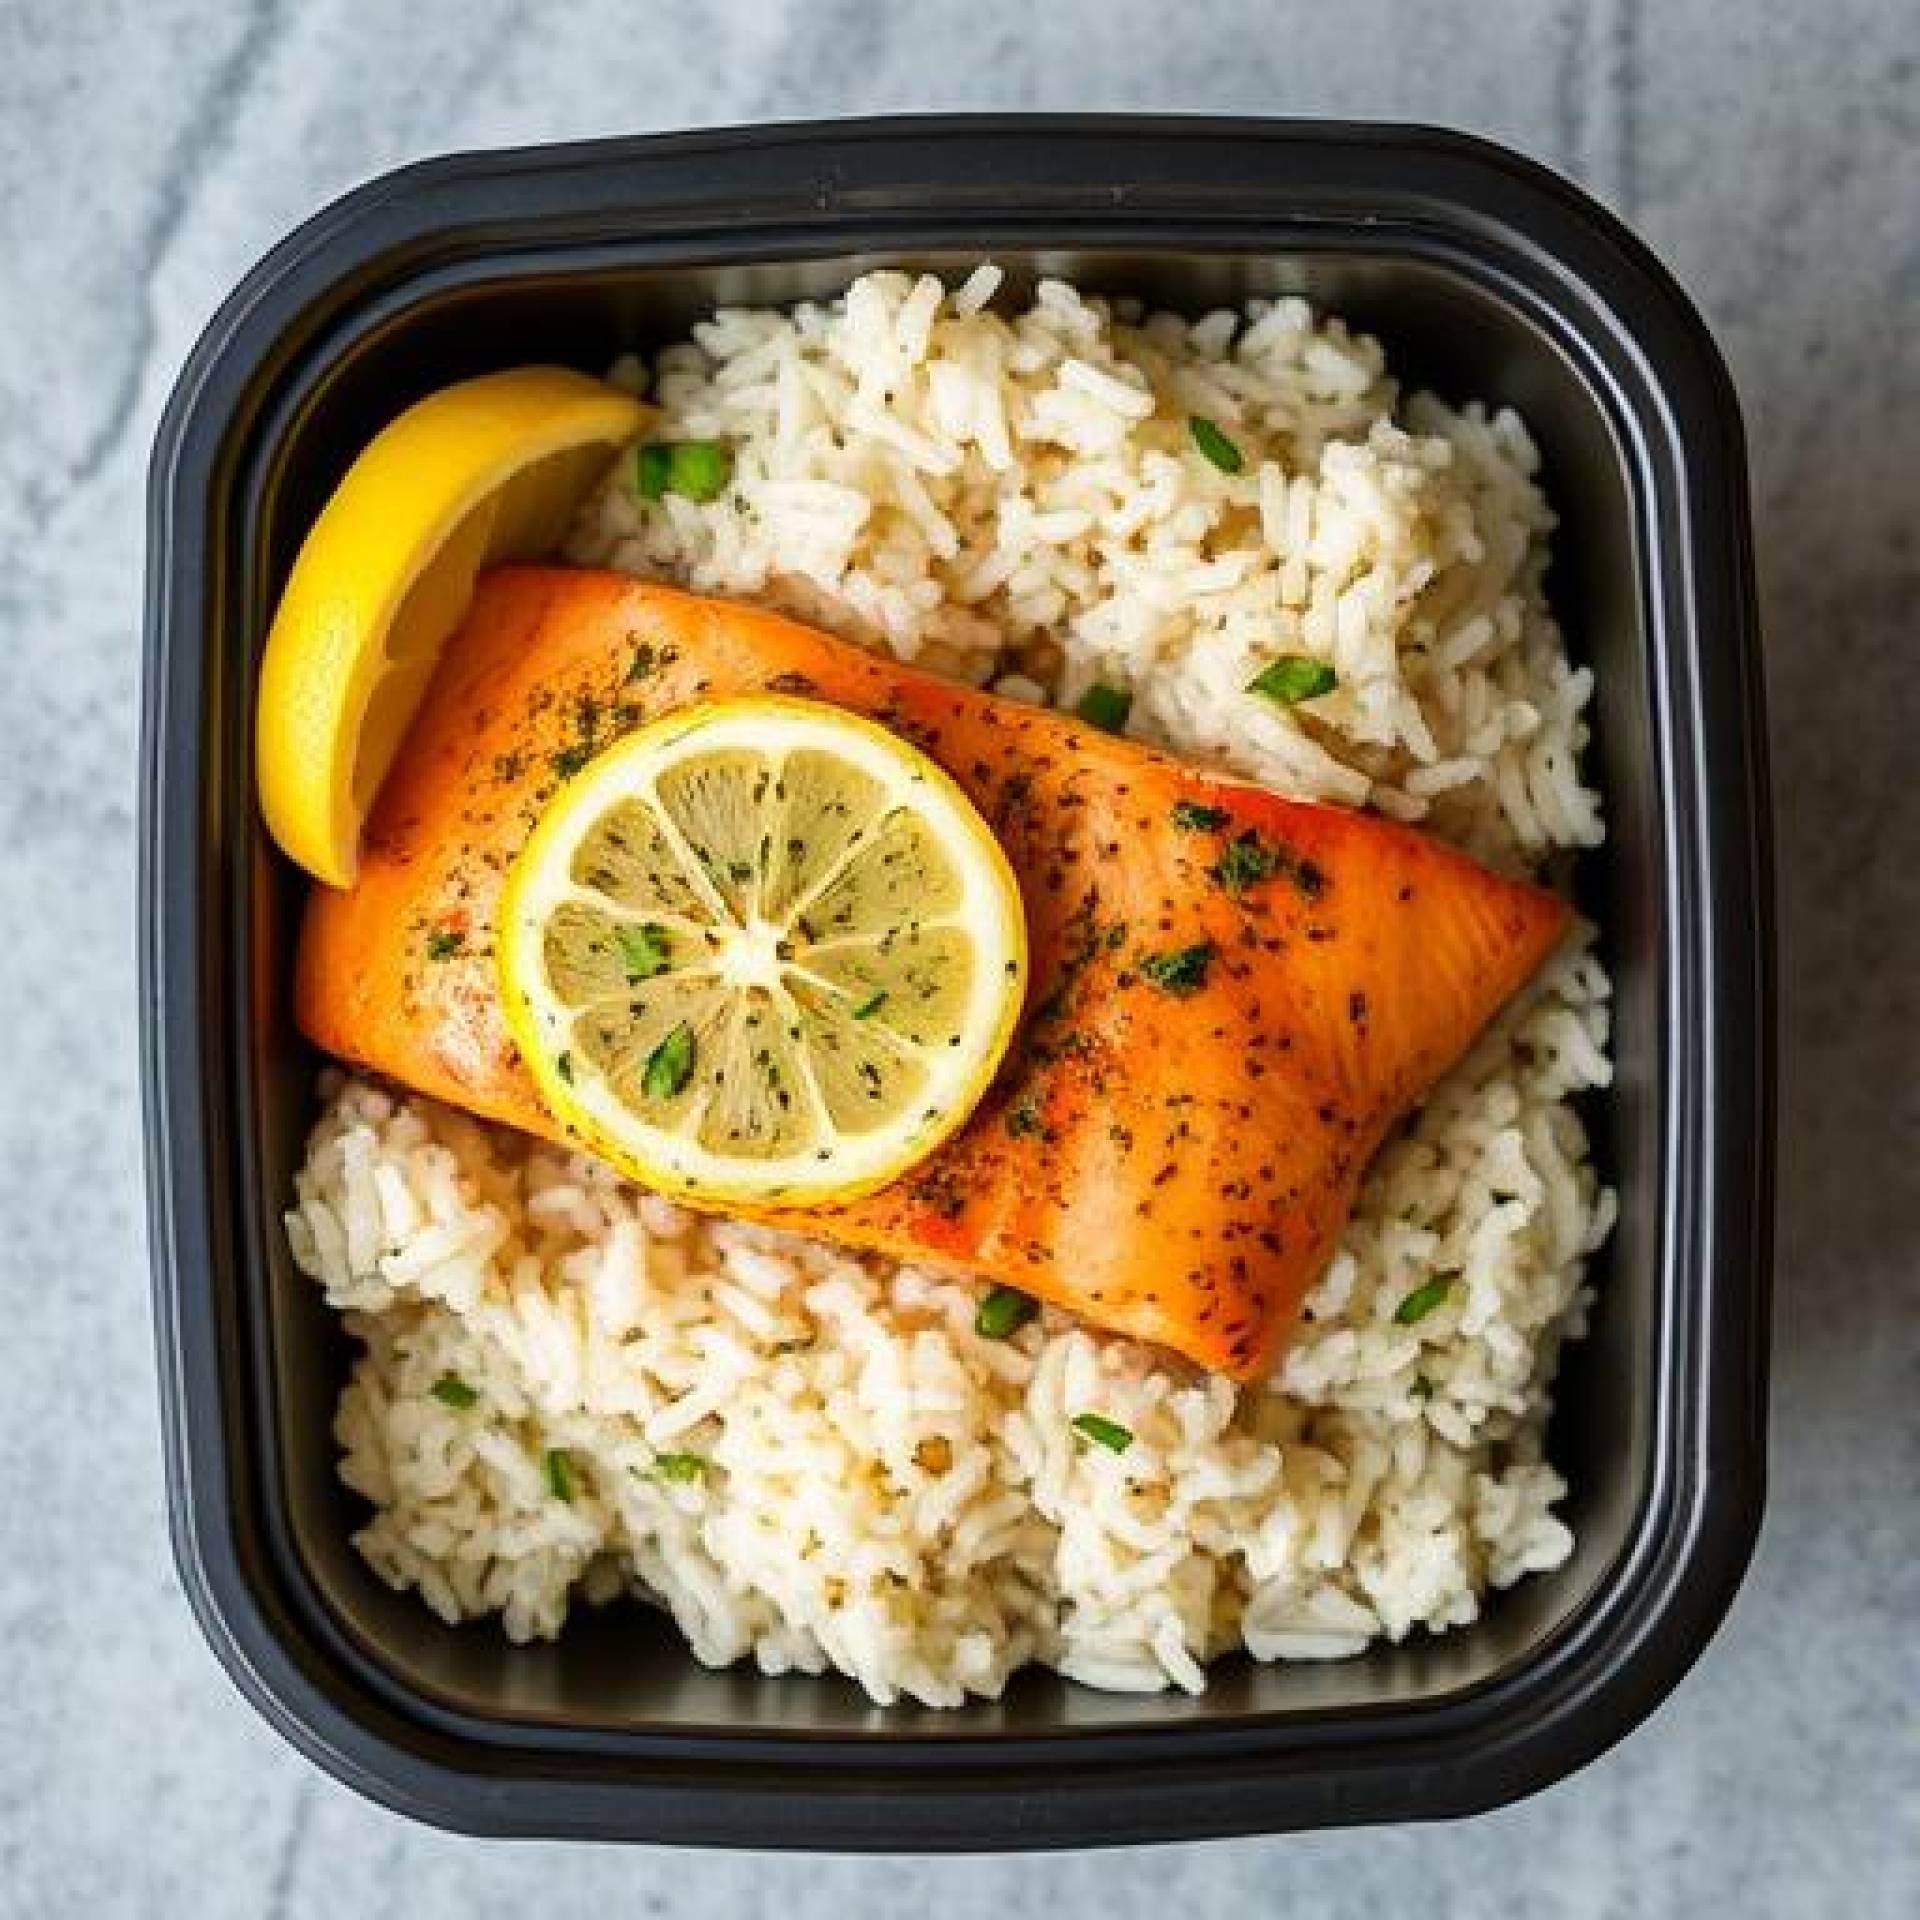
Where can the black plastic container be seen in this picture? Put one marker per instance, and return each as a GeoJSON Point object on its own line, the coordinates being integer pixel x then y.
{"type": "Point", "coordinates": [1485, 276]}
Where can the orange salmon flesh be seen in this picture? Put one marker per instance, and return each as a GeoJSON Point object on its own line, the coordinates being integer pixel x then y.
{"type": "Point", "coordinates": [1170, 1150]}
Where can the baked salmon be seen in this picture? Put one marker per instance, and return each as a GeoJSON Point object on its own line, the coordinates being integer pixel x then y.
{"type": "Point", "coordinates": [1232, 997]}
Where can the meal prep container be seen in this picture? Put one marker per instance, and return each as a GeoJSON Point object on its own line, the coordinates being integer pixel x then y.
{"type": "Point", "coordinates": [1484, 276]}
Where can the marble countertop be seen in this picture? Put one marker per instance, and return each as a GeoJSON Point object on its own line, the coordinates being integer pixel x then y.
{"type": "Point", "coordinates": [151, 149]}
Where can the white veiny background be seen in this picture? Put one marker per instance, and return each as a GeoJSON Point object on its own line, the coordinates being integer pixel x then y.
{"type": "Point", "coordinates": [151, 149]}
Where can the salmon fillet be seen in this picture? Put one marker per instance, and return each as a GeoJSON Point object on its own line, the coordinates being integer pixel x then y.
{"type": "Point", "coordinates": [1233, 996]}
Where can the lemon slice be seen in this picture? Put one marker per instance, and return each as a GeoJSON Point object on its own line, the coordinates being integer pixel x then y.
{"type": "Point", "coordinates": [489, 469]}
{"type": "Point", "coordinates": [762, 951]}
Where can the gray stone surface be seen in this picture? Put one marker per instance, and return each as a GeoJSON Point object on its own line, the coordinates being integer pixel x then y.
{"type": "Point", "coordinates": [149, 151]}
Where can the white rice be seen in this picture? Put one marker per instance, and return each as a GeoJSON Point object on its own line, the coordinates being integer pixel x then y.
{"type": "Point", "coordinates": [1016, 498]}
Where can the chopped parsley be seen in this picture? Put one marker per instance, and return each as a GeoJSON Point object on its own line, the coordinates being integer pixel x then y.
{"type": "Point", "coordinates": [1248, 859]}
{"type": "Point", "coordinates": [697, 470]}
{"type": "Point", "coordinates": [444, 942]}
{"type": "Point", "coordinates": [451, 1391]}
{"type": "Point", "coordinates": [645, 660]}
{"type": "Point", "coordinates": [1023, 1120]}
{"type": "Point", "coordinates": [563, 1066]}
{"type": "Point", "coordinates": [1105, 706]}
{"type": "Point", "coordinates": [1422, 1388]}
{"type": "Point", "coordinates": [644, 951]}
{"type": "Point", "coordinates": [570, 759]}
{"type": "Point", "coordinates": [1103, 1432]}
{"type": "Point", "coordinates": [1181, 970]}
{"type": "Point", "coordinates": [682, 1469]}
{"type": "Point", "coordinates": [1215, 445]}
{"type": "Point", "coordinates": [670, 1065]}
{"type": "Point", "coordinates": [1290, 678]}
{"type": "Point", "coordinates": [1423, 1299]}
{"type": "Point", "coordinates": [871, 1005]}
{"type": "Point", "coordinates": [1191, 817]}
{"type": "Point", "coordinates": [1004, 1312]}
{"type": "Point", "coordinates": [557, 1464]}
{"type": "Point", "coordinates": [652, 468]}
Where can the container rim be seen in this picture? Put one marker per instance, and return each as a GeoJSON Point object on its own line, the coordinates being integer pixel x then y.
{"type": "Point", "coordinates": [861, 184]}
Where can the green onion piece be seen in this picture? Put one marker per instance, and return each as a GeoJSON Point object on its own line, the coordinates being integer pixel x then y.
{"type": "Point", "coordinates": [1423, 1299]}
{"type": "Point", "coordinates": [1191, 817]}
{"type": "Point", "coordinates": [1004, 1312]}
{"type": "Point", "coordinates": [1181, 971]}
{"type": "Point", "coordinates": [1292, 678]}
{"type": "Point", "coordinates": [1215, 445]}
{"type": "Point", "coordinates": [682, 1469]}
{"type": "Point", "coordinates": [444, 942]}
{"type": "Point", "coordinates": [870, 1006]}
{"type": "Point", "coordinates": [1103, 1432]}
{"type": "Point", "coordinates": [643, 950]}
{"type": "Point", "coordinates": [670, 1065]}
{"type": "Point", "coordinates": [451, 1391]}
{"type": "Point", "coordinates": [699, 470]}
{"type": "Point", "coordinates": [557, 1464]}
{"type": "Point", "coordinates": [1105, 707]}
{"type": "Point", "coordinates": [653, 469]}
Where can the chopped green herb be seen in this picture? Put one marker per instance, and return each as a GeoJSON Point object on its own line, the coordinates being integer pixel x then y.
{"type": "Point", "coordinates": [652, 469]}
{"type": "Point", "coordinates": [643, 662]}
{"type": "Point", "coordinates": [563, 1066]}
{"type": "Point", "coordinates": [1291, 678]}
{"type": "Point", "coordinates": [1105, 707]}
{"type": "Point", "coordinates": [451, 1391]}
{"type": "Point", "coordinates": [569, 760]}
{"type": "Point", "coordinates": [643, 950]}
{"type": "Point", "coordinates": [557, 1464]}
{"type": "Point", "coordinates": [1215, 445]}
{"type": "Point", "coordinates": [1423, 1299]}
{"type": "Point", "coordinates": [871, 1005]}
{"type": "Point", "coordinates": [1191, 817]}
{"type": "Point", "coordinates": [701, 470]}
{"type": "Point", "coordinates": [1245, 862]}
{"type": "Point", "coordinates": [1103, 1432]}
{"type": "Point", "coordinates": [1422, 1388]}
{"type": "Point", "coordinates": [681, 1468]}
{"type": "Point", "coordinates": [696, 470]}
{"type": "Point", "coordinates": [1180, 971]}
{"type": "Point", "coordinates": [444, 942]}
{"type": "Point", "coordinates": [1023, 1121]}
{"type": "Point", "coordinates": [1004, 1312]}
{"type": "Point", "coordinates": [670, 1065]}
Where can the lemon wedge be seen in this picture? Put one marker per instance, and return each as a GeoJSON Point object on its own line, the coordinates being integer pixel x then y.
{"type": "Point", "coordinates": [762, 952]}
{"type": "Point", "coordinates": [489, 469]}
